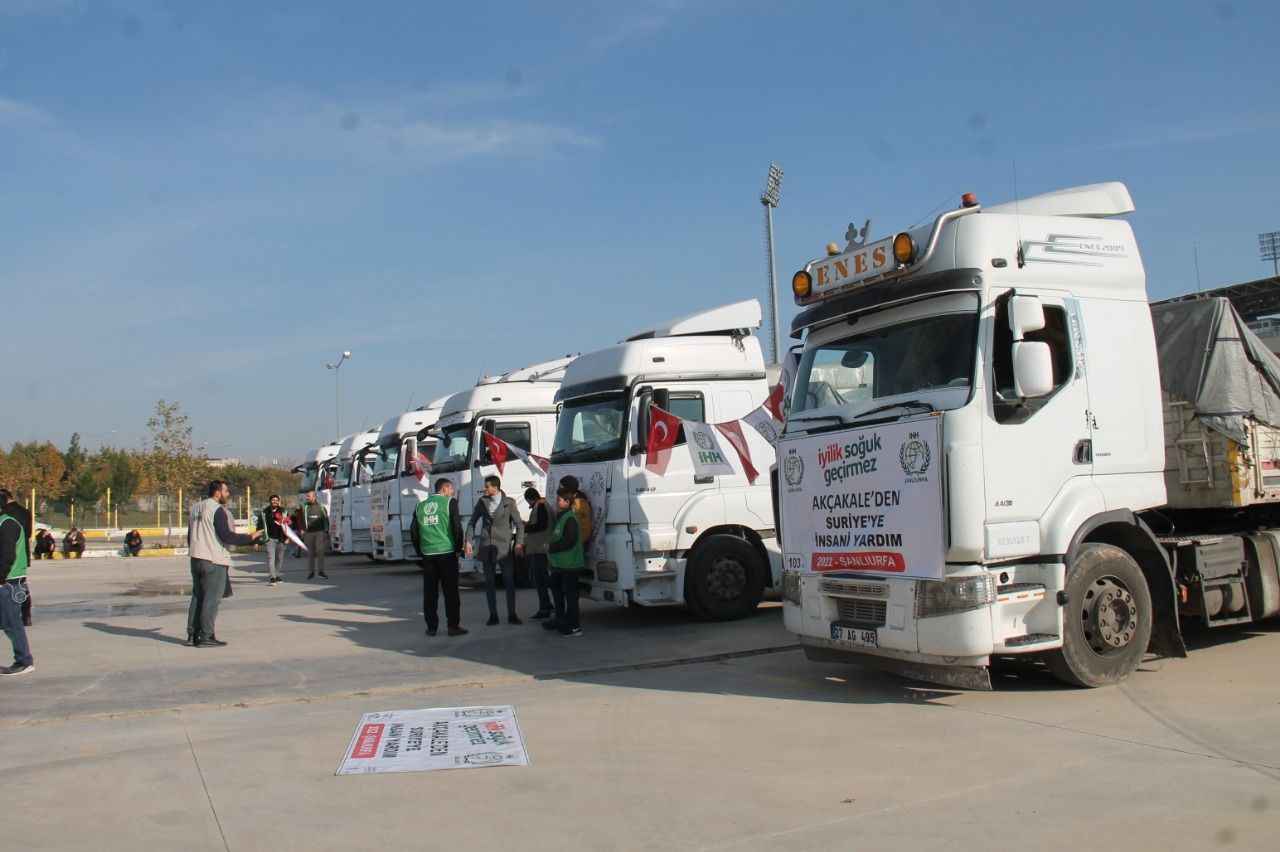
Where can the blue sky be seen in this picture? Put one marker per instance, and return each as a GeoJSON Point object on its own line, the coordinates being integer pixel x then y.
{"type": "Point", "coordinates": [205, 202]}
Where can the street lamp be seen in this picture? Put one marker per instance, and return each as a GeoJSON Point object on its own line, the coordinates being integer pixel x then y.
{"type": "Point", "coordinates": [337, 393]}
{"type": "Point", "coordinates": [769, 198]}
{"type": "Point", "coordinates": [1269, 249]}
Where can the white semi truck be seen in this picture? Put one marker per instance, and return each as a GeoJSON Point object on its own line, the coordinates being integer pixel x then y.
{"type": "Point", "coordinates": [317, 473]}
{"type": "Point", "coordinates": [402, 442]}
{"type": "Point", "coordinates": [519, 408]}
{"type": "Point", "coordinates": [349, 514]}
{"type": "Point", "coordinates": [992, 450]}
{"type": "Point", "coordinates": [674, 538]}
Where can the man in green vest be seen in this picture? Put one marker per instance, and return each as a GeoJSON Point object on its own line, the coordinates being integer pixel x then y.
{"type": "Point", "coordinates": [13, 592]}
{"type": "Point", "coordinates": [436, 533]}
{"type": "Point", "coordinates": [568, 560]}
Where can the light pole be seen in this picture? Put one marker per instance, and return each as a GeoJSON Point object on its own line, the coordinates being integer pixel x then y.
{"type": "Point", "coordinates": [769, 198]}
{"type": "Point", "coordinates": [337, 393]}
{"type": "Point", "coordinates": [1269, 249]}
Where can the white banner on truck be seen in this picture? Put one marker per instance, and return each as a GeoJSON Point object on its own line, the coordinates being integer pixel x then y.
{"type": "Point", "coordinates": [868, 500]}
{"type": "Point", "coordinates": [593, 480]}
{"type": "Point", "coordinates": [437, 738]}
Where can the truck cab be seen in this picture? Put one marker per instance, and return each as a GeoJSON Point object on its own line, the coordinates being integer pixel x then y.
{"type": "Point", "coordinates": [349, 517]}
{"type": "Point", "coordinates": [977, 409]}
{"type": "Point", "coordinates": [317, 474]}
{"type": "Point", "coordinates": [404, 450]}
{"type": "Point", "coordinates": [674, 538]}
{"type": "Point", "coordinates": [519, 408]}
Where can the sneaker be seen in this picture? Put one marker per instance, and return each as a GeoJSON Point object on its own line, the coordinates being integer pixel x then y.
{"type": "Point", "coordinates": [514, 619]}
{"type": "Point", "coordinates": [16, 669]}
{"type": "Point", "coordinates": [577, 631]}
{"type": "Point", "coordinates": [541, 614]}
{"type": "Point", "coordinates": [312, 575]}
{"type": "Point", "coordinates": [432, 631]}
{"type": "Point", "coordinates": [550, 624]}
{"type": "Point", "coordinates": [323, 576]}
{"type": "Point", "coordinates": [458, 631]}
{"type": "Point", "coordinates": [192, 641]}
{"type": "Point", "coordinates": [211, 643]}
{"type": "Point", "coordinates": [493, 619]}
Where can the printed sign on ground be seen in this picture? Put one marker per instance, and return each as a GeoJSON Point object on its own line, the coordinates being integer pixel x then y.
{"type": "Point", "coordinates": [436, 738]}
{"type": "Point", "coordinates": [868, 500]}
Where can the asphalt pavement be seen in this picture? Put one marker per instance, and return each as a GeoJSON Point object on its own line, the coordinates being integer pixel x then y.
{"type": "Point", "coordinates": [651, 731]}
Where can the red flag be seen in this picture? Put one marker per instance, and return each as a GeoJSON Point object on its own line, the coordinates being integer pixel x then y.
{"type": "Point", "coordinates": [499, 450]}
{"type": "Point", "coordinates": [733, 431]}
{"type": "Point", "coordinates": [774, 402]}
{"type": "Point", "coordinates": [543, 463]}
{"type": "Point", "coordinates": [419, 465]}
{"type": "Point", "coordinates": [664, 429]}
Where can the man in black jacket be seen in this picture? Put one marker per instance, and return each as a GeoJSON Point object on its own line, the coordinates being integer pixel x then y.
{"type": "Point", "coordinates": [272, 516]}
{"type": "Point", "coordinates": [14, 509]}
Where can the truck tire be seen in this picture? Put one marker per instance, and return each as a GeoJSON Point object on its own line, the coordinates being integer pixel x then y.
{"type": "Point", "coordinates": [1107, 620]}
{"type": "Point", "coordinates": [725, 579]}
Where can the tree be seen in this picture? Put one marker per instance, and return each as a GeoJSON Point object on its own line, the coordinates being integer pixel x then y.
{"type": "Point", "coordinates": [33, 465]}
{"type": "Point", "coordinates": [170, 462]}
{"type": "Point", "coordinates": [119, 470]}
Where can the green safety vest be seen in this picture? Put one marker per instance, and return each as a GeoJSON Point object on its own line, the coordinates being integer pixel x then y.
{"type": "Point", "coordinates": [571, 559]}
{"type": "Point", "coordinates": [19, 566]}
{"type": "Point", "coordinates": [435, 535]}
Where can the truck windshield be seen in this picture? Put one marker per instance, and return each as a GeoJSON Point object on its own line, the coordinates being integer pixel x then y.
{"type": "Point", "coordinates": [591, 429]}
{"type": "Point", "coordinates": [453, 449]}
{"type": "Point", "coordinates": [384, 461]}
{"type": "Point", "coordinates": [929, 359]}
{"type": "Point", "coordinates": [342, 478]}
{"type": "Point", "coordinates": [309, 478]}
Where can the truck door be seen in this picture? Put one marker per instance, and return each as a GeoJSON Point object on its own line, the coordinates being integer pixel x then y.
{"type": "Point", "coordinates": [1033, 448]}
{"type": "Point", "coordinates": [515, 475]}
{"type": "Point", "coordinates": [656, 501]}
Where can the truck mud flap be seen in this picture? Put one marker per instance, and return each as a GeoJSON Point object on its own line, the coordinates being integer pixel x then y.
{"type": "Point", "coordinates": [976, 678]}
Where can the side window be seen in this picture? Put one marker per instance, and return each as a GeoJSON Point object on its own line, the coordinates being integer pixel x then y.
{"type": "Point", "coordinates": [518, 435]}
{"type": "Point", "coordinates": [688, 405]}
{"type": "Point", "coordinates": [1008, 408]}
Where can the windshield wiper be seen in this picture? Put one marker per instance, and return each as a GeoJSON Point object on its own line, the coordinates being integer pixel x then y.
{"type": "Point", "coordinates": [588, 448]}
{"type": "Point", "coordinates": [910, 403]}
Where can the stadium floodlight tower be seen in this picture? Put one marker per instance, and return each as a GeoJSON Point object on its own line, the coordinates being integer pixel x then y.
{"type": "Point", "coordinates": [1269, 249]}
{"type": "Point", "coordinates": [769, 198]}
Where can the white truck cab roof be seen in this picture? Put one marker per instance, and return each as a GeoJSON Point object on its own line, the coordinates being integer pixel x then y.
{"type": "Point", "coordinates": [716, 342]}
{"type": "Point", "coordinates": [408, 423]}
{"type": "Point", "coordinates": [353, 444]}
{"type": "Point", "coordinates": [529, 389]}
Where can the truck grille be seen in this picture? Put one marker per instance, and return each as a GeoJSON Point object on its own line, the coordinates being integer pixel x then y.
{"type": "Point", "coordinates": [847, 587]}
{"type": "Point", "coordinates": [361, 541]}
{"type": "Point", "coordinates": [863, 613]}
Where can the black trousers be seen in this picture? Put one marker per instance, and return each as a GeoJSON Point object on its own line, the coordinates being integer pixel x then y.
{"type": "Point", "coordinates": [537, 563]}
{"type": "Point", "coordinates": [564, 586]}
{"type": "Point", "coordinates": [441, 571]}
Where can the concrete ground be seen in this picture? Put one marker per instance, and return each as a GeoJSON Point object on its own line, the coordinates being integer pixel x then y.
{"type": "Point", "coordinates": [652, 731]}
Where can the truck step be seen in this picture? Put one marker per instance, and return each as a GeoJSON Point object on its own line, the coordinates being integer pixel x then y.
{"type": "Point", "coordinates": [1029, 639]}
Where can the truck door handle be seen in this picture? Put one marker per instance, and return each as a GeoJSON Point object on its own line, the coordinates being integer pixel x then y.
{"type": "Point", "coordinates": [703, 480]}
{"type": "Point", "coordinates": [1083, 453]}
{"type": "Point", "coordinates": [528, 483]}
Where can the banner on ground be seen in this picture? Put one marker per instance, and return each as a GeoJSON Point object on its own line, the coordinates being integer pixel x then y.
{"type": "Point", "coordinates": [435, 738]}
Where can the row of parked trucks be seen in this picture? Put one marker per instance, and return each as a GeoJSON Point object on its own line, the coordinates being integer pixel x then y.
{"type": "Point", "coordinates": [994, 447]}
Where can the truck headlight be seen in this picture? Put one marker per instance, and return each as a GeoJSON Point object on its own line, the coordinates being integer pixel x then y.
{"type": "Point", "coordinates": [954, 594]}
{"type": "Point", "coordinates": [791, 587]}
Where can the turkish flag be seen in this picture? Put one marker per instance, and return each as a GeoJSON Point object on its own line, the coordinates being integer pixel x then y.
{"type": "Point", "coordinates": [499, 452]}
{"type": "Point", "coordinates": [733, 432]}
{"type": "Point", "coordinates": [774, 402]}
{"type": "Point", "coordinates": [664, 429]}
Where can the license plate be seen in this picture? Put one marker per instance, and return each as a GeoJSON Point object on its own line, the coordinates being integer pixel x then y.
{"type": "Point", "coordinates": [855, 636]}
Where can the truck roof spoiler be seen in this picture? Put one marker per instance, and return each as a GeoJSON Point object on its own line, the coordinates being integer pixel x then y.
{"type": "Point", "coordinates": [1094, 200]}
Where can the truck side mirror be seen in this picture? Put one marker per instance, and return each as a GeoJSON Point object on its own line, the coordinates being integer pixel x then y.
{"type": "Point", "coordinates": [644, 400]}
{"type": "Point", "coordinates": [1026, 315]}
{"type": "Point", "coordinates": [1032, 368]}
{"type": "Point", "coordinates": [662, 399]}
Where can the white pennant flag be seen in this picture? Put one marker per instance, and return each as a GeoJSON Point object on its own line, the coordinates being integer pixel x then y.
{"type": "Point", "coordinates": [704, 447]}
{"type": "Point", "coordinates": [762, 421]}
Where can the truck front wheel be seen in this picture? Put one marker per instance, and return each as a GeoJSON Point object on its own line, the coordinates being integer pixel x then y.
{"type": "Point", "coordinates": [725, 579]}
{"type": "Point", "coordinates": [1107, 619]}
